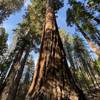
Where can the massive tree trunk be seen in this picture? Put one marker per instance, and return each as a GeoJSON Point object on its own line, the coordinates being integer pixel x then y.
{"type": "Point", "coordinates": [14, 86]}
{"type": "Point", "coordinates": [52, 78]}
{"type": "Point", "coordinates": [93, 46]}
{"type": "Point", "coordinates": [11, 75]}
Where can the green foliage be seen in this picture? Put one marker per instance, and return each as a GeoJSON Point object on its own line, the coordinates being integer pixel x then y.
{"type": "Point", "coordinates": [58, 4]}
{"type": "Point", "coordinates": [36, 15]}
{"type": "Point", "coordinates": [29, 31]}
{"type": "Point", "coordinates": [79, 61]}
{"type": "Point", "coordinates": [9, 6]}
{"type": "Point", "coordinates": [3, 40]}
{"type": "Point", "coordinates": [80, 16]}
{"type": "Point", "coordinates": [37, 11]}
{"type": "Point", "coordinates": [97, 64]}
{"type": "Point", "coordinates": [95, 4]}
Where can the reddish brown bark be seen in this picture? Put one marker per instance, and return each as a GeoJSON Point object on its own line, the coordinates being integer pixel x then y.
{"type": "Point", "coordinates": [52, 78]}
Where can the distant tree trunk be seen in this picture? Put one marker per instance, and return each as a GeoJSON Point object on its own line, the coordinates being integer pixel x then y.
{"type": "Point", "coordinates": [69, 55]}
{"type": "Point", "coordinates": [12, 73]}
{"type": "Point", "coordinates": [24, 84]}
{"type": "Point", "coordinates": [52, 78]}
{"type": "Point", "coordinates": [93, 46]}
{"type": "Point", "coordinates": [14, 86]}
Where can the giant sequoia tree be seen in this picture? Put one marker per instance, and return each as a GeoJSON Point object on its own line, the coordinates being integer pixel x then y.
{"type": "Point", "coordinates": [65, 70]}
{"type": "Point", "coordinates": [52, 77]}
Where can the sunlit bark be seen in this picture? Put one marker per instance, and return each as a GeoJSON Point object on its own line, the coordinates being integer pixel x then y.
{"type": "Point", "coordinates": [52, 78]}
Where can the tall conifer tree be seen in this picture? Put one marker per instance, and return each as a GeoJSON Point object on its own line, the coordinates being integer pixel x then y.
{"type": "Point", "coordinates": [52, 78]}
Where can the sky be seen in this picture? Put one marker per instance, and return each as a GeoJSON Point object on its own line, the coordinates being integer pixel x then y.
{"type": "Point", "coordinates": [61, 19]}
{"type": "Point", "coordinates": [11, 22]}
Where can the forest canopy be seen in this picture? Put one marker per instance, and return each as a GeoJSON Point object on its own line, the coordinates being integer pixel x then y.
{"type": "Point", "coordinates": [48, 59]}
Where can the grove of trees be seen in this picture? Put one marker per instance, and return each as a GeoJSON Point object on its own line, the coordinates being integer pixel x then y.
{"type": "Point", "coordinates": [68, 65]}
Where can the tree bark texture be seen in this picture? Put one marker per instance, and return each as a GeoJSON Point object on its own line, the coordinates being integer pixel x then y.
{"type": "Point", "coordinates": [14, 86]}
{"type": "Point", "coordinates": [12, 74]}
{"type": "Point", "coordinates": [52, 78]}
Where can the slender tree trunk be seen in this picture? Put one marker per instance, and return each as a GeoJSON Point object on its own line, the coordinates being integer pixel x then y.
{"type": "Point", "coordinates": [24, 84]}
{"type": "Point", "coordinates": [52, 78]}
{"type": "Point", "coordinates": [94, 48]}
{"type": "Point", "coordinates": [15, 83]}
{"type": "Point", "coordinates": [9, 79]}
